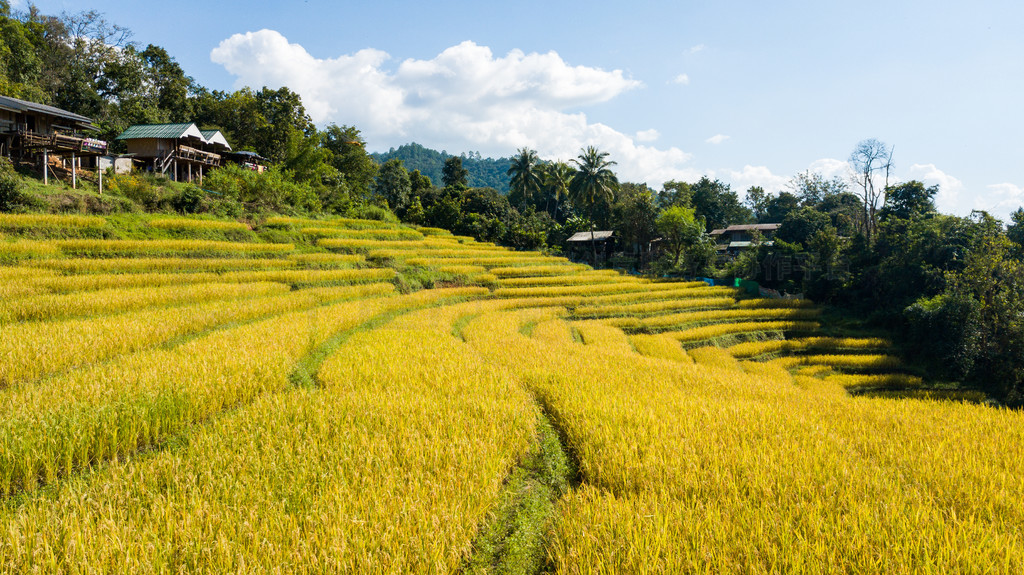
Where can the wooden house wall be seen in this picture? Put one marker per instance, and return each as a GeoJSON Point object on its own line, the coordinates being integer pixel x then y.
{"type": "Point", "coordinates": [150, 147]}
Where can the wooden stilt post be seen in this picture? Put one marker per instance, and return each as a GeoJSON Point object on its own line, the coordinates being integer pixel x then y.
{"type": "Point", "coordinates": [74, 173]}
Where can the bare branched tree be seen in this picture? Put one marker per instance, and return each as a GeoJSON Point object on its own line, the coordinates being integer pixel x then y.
{"type": "Point", "coordinates": [870, 160]}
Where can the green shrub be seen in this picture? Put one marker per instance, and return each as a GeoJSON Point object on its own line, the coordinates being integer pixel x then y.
{"type": "Point", "coordinates": [11, 194]}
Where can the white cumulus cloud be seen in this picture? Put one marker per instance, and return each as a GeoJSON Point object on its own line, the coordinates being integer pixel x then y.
{"type": "Point", "coordinates": [950, 198]}
{"type": "Point", "coordinates": [696, 49]}
{"type": "Point", "coordinates": [681, 79]}
{"type": "Point", "coordinates": [741, 180]}
{"type": "Point", "coordinates": [463, 99]}
{"type": "Point", "coordinates": [717, 139]}
{"type": "Point", "coordinates": [1002, 200]}
{"type": "Point", "coordinates": [647, 135]}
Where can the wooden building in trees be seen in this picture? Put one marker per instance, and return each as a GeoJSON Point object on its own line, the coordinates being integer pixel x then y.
{"type": "Point", "coordinates": [53, 138]}
{"type": "Point", "coordinates": [182, 150]}
{"type": "Point", "coordinates": [582, 245]}
{"type": "Point", "coordinates": [734, 239]}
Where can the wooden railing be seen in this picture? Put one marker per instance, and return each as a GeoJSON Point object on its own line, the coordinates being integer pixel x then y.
{"type": "Point", "coordinates": [61, 142]}
{"type": "Point", "coordinates": [197, 156]}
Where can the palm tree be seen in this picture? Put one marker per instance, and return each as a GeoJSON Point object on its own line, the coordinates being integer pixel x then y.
{"type": "Point", "coordinates": [593, 182]}
{"type": "Point", "coordinates": [555, 179]}
{"type": "Point", "coordinates": [525, 172]}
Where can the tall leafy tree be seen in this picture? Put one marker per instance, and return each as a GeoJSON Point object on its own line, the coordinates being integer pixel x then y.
{"type": "Point", "coordinates": [714, 201]}
{"type": "Point", "coordinates": [454, 175]}
{"type": "Point", "coordinates": [525, 173]}
{"type": "Point", "coordinates": [349, 157]}
{"type": "Point", "coordinates": [392, 184]}
{"type": "Point", "coordinates": [555, 179]}
{"type": "Point", "coordinates": [907, 200]}
{"type": "Point", "coordinates": [594, 182]}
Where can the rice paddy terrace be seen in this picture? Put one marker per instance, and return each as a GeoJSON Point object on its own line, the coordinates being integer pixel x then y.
{"type": "Point", "coordinates": [213, 402]}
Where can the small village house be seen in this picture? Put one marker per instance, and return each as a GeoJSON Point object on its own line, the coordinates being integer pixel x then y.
{"type": "Point", "coordinates": [53, 138]}
{"type": "Point", "coordinates": [734, 239]}
{"type": "Point", "coordinates": [182, 150]}
{"type": "Point", "coordinates": [581, 245]}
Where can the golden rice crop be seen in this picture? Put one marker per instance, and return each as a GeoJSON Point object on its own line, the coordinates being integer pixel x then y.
{"type": "Point", "coordinates": [709, 316]}
{"type": "Point", "coordinates": [65, 284]}
{"type": "Point", "coordinates": [327, 260]}
{"type": "Point", "coordinates": [698, 468]}
{"type": "Point", "coordinates": [572, 290]}
{"type": "Point", "coordinates": [711, 356]}
{"type": "Point", "coordinates": [462, 269]}
{"type": "Point", "coordinates": [661, 292]}
{"type": "Point", "coordinates": [578, 278]}
{"type": "Point", "coordinates": [969, 396]}
{"type": "Point", "coordinates": [487, 260]}
{"type": "Point", "coordinates": [356, 224]}
{"type": "Point", "coordinates": [755, 348]}
{"type": "Point", "coordinates": [431, 442]}
{"type": "Point", "coordinates": [762, 303]}
{"type": "Point", "coordinates": [553, 332]}
{"type": "Point", "coordinates": [33, 350]}
{"type": "Point", "coordinates": [194, 224]}
{"type": "Point", "coordinates": [538, 270]}
{"type": "Point", "coordinates": [660, 346]}
{"type": "Point", "coordinates": [74, 283]}
{"type": "Point", "coordinates": [312, 277]}
{"type": "Point", "coordinates": [151, 265]}
{"type": "Point", "coordinates": [144, 397]}
{"type": "Point", "coordinates": [147, 396]}
{"type": "Point", "coordinates": [852, 361]}
{"type": "Point", "coordinates": [608, 338]}
{"type": "Point", "coordinates": [26, 249]}
{"type": "Point", "coordinates": [366, 245]}
{"type": "Point", "coordinates": [388, 234]}
{"type": "Point", "coordinates": [50, 221]}
{"type": "Point", "coordinates": [57, 306]}
{"type": "Point", "coordinates": [434, 232]}
{"type": "Point", "coordinates": [149, 247]}
{"type": "Point", "coordinates": [724, 329]}
{"type": "Point", "coordinates": [646, 308]}
{"type": "Point", "coordinates": [899, 380]}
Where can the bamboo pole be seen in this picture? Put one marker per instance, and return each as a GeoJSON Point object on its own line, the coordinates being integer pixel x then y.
{"type": "Point", "coordinates": [46, 168]}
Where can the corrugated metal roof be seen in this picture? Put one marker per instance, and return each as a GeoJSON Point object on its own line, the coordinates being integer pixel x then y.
{"type": "Point", "coordinates": [161, 132]}
{"type": "Point", "coordinates": [586, 237]}
{"type": "Point", "coordinates": [17, 105]}
{"type": "Point", "coordinates": [748, 227]}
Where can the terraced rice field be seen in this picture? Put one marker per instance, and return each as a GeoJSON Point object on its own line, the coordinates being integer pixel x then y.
{"type": "Point", "coordinates": [213, 406]}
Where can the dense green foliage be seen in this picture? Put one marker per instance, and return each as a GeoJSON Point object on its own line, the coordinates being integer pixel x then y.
{"type": "Point", "coordinates": [481, 172]}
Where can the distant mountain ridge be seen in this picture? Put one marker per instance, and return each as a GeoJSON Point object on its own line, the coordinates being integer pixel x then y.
{"type": "Point", "coordinates": [483, 172]}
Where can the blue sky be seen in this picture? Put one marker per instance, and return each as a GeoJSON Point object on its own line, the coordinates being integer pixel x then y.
{"type": "Point", "coordinates": [748, 92]}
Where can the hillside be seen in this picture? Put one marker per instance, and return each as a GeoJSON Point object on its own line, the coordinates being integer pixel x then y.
{"type": "Point", "coordinates": [297, 396]}
{"type": "Point", "coordinates": [483, 172]}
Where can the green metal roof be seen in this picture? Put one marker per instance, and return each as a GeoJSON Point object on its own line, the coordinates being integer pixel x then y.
{"type": "Point", "coordinates": [159, 131]}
